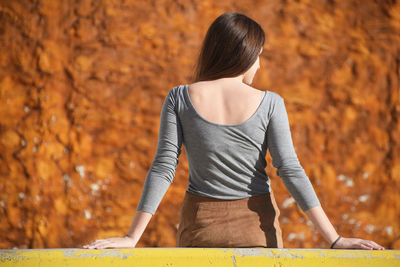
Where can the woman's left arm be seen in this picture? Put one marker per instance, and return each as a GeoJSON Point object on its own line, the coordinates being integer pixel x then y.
{"type": "Point", "coordinates": [158, 178]}
{"type": "Point", "coordinates": [326, 229]}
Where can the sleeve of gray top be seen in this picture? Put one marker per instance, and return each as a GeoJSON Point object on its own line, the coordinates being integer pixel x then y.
{"type": "Point", "coordinates": [284, 158]}
{"type": "Point", "coordinates": [162, 170]}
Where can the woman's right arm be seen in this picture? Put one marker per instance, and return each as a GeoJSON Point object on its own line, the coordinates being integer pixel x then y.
{"type": "Point", "coordinates": [284, 158]}
{"type": "Point", "coordinates": [326, 229]}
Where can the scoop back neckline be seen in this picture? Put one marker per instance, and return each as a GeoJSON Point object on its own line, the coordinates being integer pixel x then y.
{"type": "Point", "coordinates": [186, 90]}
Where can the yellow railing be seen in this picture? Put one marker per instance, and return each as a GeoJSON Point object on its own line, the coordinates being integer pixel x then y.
{"type": "Point", "coordinates": [191, 257]}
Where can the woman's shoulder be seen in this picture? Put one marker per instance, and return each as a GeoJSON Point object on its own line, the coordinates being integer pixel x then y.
{"type": "Point", "coordinates": [176, 90]}
{"type": "Point", "coordinates": [273, 95]}
{"type": "Point", "coordinates": [277, 102]}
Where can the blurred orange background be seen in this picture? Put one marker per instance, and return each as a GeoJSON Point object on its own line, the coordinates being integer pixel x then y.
{"type": "Point", "coordinates": [81, 89]}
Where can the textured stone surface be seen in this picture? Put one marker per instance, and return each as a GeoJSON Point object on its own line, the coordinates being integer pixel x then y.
{"type": "Point", "coordinates": [81, 89]}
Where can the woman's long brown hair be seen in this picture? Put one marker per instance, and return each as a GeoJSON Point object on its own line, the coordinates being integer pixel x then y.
{"type": "Point", "coordinates": [230, 47]}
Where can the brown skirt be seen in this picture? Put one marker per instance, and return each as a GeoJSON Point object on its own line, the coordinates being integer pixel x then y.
{"type": "Point", "coordinates": [248, 222]}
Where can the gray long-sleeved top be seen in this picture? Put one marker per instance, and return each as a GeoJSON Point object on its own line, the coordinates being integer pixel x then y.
{"type": "Point", "coordinates": [225, 161]}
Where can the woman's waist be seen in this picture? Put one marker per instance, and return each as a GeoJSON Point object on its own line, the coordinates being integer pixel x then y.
{"type": "Point", "coordinates": [225, 187]}
{"type": "Point", "coordinates": [233, 200]}
{"type": "Point", "coordinates": [258, 202]}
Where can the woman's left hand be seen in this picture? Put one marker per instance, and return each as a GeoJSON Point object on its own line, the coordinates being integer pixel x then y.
{"type": "Point", "coordinates": [113, 242]}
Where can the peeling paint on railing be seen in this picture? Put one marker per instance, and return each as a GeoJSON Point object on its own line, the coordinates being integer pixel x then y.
{"type": "Point", "coordinates": [176, 257]}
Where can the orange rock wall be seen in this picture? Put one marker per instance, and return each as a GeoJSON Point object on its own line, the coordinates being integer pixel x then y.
{"type": "Point", "coordinates": [82, 85]}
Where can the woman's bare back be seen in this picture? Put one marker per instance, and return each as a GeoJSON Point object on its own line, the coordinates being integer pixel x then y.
{"type": "Point", "coordinates": [224, 103]}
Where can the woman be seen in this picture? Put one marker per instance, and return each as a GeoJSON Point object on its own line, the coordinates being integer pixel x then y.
{"type": "Point", "coordinates": [227, 126]}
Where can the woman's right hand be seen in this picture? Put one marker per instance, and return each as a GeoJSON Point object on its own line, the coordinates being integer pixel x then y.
{"type": "Point", "coordinates": [356, 243]}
